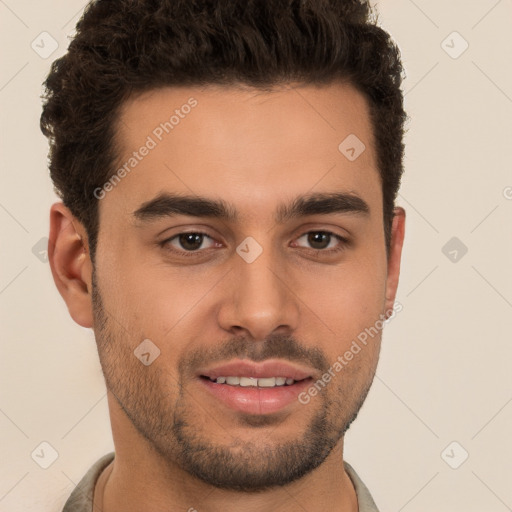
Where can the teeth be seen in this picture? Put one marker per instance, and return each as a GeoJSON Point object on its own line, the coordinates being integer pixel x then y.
{"type": "Point", "coordinates": [248, 381]}
{"type": "Point", "coordinates": [266, 382]}
{"type": "Point", "coordinates": [269, 382]}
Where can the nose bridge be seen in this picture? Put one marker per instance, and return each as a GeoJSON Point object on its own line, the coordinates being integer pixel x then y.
{"type": "Point", "coordinates": [261, 300]}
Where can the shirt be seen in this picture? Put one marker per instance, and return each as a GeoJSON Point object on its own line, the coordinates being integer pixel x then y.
{"type": "Point", "coordinates": [81, 498]}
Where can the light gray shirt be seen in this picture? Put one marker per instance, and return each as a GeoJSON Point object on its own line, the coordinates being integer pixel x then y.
{"type": "Point", "coordinates": [82, 496]}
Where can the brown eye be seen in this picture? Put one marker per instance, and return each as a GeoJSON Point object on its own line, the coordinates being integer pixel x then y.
{"type": "Point", "coordinates": [187, 244]}
{"type": "Point", "coordinates": [318, 239]}
{"type": "Point", "coordinates": [321, 241]}
{"type": "Point", "coordinates": [190, 241]}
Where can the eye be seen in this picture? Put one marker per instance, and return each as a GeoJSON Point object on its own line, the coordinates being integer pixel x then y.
{"type": "Point", "coordinates": [321, 240]}
{"type": "Point", "coordinates": [187, 244]}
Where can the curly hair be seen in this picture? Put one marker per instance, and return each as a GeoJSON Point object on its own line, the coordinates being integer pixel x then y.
{"type": "Point", "coordinates": [125, 47]}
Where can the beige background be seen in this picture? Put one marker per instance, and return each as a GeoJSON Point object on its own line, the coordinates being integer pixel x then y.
{"type": "Point", "coordinates": [444, 373]}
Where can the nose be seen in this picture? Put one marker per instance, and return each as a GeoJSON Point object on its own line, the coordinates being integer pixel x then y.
{"type": "Point", "coordinates": [260, 299]}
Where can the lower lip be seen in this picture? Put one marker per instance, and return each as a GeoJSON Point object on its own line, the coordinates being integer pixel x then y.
{"type": "Point", "coordinates": [254, 400]}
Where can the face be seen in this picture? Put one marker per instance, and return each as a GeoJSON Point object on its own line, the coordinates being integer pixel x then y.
{"type": "Point", "coordinates": [278, 255]}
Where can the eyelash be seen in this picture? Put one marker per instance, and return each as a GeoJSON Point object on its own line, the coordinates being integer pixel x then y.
{"type": "Point", "coordinates": [187, 254]}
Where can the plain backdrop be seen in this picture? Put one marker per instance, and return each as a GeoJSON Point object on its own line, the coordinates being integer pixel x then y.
{"type": "Point", "coordinates": [434, 433]}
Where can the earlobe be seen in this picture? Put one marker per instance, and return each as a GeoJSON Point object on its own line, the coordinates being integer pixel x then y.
{"type": "Point", "coordinates": [70, 263]}
{"type": "Point", "coordinates": [395, 255]}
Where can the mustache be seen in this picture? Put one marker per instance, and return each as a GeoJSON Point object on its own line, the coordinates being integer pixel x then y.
{"type": "Point", "coordinates": [277, 346]}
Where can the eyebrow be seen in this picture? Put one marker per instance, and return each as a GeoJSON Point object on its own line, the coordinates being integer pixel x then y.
{"type": "Point", "coordinates": [168, 205]}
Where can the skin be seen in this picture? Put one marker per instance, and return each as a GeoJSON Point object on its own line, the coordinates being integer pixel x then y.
{"type": "Point", "coordinates": [254, 150]}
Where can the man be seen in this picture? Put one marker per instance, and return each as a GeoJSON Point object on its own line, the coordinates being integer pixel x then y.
{"type": "Point", "coordinates": [228, 172]}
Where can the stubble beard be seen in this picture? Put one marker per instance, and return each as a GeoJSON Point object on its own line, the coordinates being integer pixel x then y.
{"type": "Point", "coordinates": [147, 395]}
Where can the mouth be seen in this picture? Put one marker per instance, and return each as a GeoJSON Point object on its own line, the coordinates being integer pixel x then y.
{"type": "Point", "coordinates": [262, 382]}
{"type": "Point", "coordinates": [251, 395]}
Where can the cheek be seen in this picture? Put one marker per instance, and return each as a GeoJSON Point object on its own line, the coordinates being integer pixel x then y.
{"type": "Point", "coordinates": [347, 297]}
{"type": "Point", "coordinates": [128, 290]}
{"type": "Point", "coordinates": [158, 299]}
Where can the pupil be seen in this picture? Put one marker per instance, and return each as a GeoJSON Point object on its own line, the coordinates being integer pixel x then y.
{"type": "Point", "coordinates": [191, 241]}
{"type": "Point", "coordinates": [317, 238]}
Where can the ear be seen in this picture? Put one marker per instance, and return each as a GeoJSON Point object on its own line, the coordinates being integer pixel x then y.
{"type": "Point", "coordinates": [395, 255]}
{"type": "Point", "coordinates": [69, 257]}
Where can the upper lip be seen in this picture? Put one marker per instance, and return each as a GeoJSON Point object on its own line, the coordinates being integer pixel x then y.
{"type": "Point", "coordinates": [269, 368]}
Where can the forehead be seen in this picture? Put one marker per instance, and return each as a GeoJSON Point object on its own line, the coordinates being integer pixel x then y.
{"type": "Point", "coordinates": [247, 146]}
